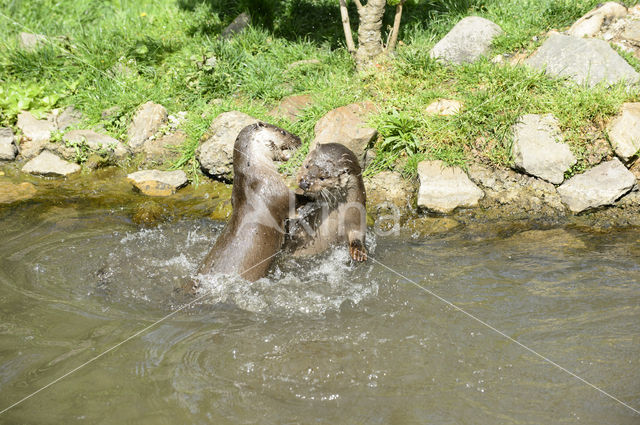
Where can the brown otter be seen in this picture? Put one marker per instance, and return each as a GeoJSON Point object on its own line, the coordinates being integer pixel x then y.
{"type": "Point", "coordinates": [260, 201]}
{"type": "Point", "coordinates": [331, 176]}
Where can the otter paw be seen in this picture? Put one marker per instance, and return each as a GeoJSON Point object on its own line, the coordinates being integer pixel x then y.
{"type": "Point", "coordinates": [358, 251]}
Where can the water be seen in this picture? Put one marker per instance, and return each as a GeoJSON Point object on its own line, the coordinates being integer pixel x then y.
{"type": "Point", "coordinates": [319, 340]}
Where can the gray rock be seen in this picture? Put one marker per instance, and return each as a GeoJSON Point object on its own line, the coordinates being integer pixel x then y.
{"type": "Point", "coordinates": [585, 61]}
{"type": "Point", "coordinates": [97, 142]}
{"type": "Point", "coordinates": [388, 187]}
{"type": "Point", "coordinates": [444, 188]}
{"type": "Point", "coordinates": [163, 148]}
{"type": "Point", "coordinates": [444, 107]}
{"type": "Point", "coordinates": [66, 118]}
{"type": "Point", "coordinates": [347, 125]}
{"type": "Point", "coordinates": [632, 31]}
{"type": "Point", "coordinates": [591, 23]}
{"type": "Point", "coordinates": [158, 183]}
{"type": "Point", "coordinates": [8, 149]}
{"type": "Point", "coordinates": [215, 152]}
{"type": "Point", "coordinates": [34, 129]}
{"type": "Point", "coordinates": [537, 149]}
{"type": "Point", "coordinates": [303, 62]}
{"type": "Point", "coordinates": [238, 25]}
{"type": "Point", "coordinates": [624, 132]}
{"type": "Point", "coordinates": [291, 107]}
{"type": "Point", "coordinates": [49, 164]}
{"type": "Point", "coordinates": [30, 42]}
{"type": "Point", "coordinates": [470, 39]}
{"type": "Point", "coordinates": [145, 124]}
{"type": "Point", "coordinates": [601, 185]}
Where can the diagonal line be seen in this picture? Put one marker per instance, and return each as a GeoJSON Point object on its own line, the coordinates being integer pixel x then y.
{"type": "Point", "coordinates": [140, 332]}
{"type": "Point", "coordinates": [546, 359]}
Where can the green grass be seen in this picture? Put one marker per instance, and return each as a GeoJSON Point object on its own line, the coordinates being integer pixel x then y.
{"type": "Point", "coordinates": [124, 53]}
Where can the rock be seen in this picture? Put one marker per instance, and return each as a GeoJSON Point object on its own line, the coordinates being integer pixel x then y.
{"type": "Point", "coordinates": [388, 187]}
{"type": "Point", "coordinates": [444, 188]}
{"type": "Point", "coordinates": [303, 62]}
{"type": "Point", "coordinates": [624, 132]}
{"type": "Point", "coordinates": [49, 164]}
{"type": "Point", "coordinates": [429, 226]}
{"type": "Point", "coordinates": [97, 142]}
{"type": "Point", "coordinates": [601, 185]}
{"type": "Point", "coordinates": [537, 148]}
{"type": "Point", "coordinates": [34, 129]}
{"type": "Point", "coordinates": [111, 113]}
{"type": "Point", "coordinates": [591, 23]}
{"type": "Point", "coordinates": [444, 107]}
{"type": "Point", "coordinates": [585, 61]}
{"type": "Point", "coordinates": [211, 62]}
{"type": "Point", "coordinates": [238, 25]}
{"type": "Point", "coordinates": [158, 183]}
{"type": "Point", "coordinates": [632, 31]}
{"type": "Point", "coordinates": [66, 118]}
{"type": "Point", "coordinates": [470, 39]}
{"type": "Point", "coordinates": [159, 150]}
{"type": "Point", "coordinates": [215, 152]}
{"type": "Point", "coordinates": [10, 192]}
{"type": "Point", "coordinates": [290, 107]}
{"type": "Point", "coordinates": [8, 149]}
{"type": "Point", "coordinates": [145, 124]}
{"type": "Point", "coordinates": [635, 169]}
{"type": "Point", "coordinates": [30, 42]}
{"type": "Point", "coordinates": [347, 125]}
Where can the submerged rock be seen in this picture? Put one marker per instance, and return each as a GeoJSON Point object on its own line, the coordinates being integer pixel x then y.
{"type": "Point", "coordinates": [145, 123]}
{"type": "Point", "coordinates": [624, 132]}
{"type": "Point", "coordinates": [158, 183]}
{"type": "Point", "coordinates": [470, 39]}
{"type": "Point", "coordinates": [537, 148]}
{"type": "Point", "coordinates": [10, 192]}
{"type": "Point", "coordinates": [8, 149]}
{"type": "Point", "coordinates": [444, 188]}
{"type": "Point", "coordinates": [49, 164]}
{"type": "Point", "coordinates": [585, 61]}
{"type": "Point", "coordinates": [601, 185]}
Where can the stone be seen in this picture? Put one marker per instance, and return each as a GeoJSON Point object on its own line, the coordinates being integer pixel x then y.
{"type": "Point", "coordinates": [388, 187]}
{"type": "Point", "coordinates": [164, 147]}
{"type": "Point", "coordinates": [65, 118]}
{"type": "Point", "coordinates": [239, 24]}
{"type": "Point", "coordinates": [444, 107]}
{"type": "Point", "coordinates": [624, 132]}
{"type": "Point", "coordinates": [215, 152]}
{"type": "Point", "coordinates": [584, 61]}
{"type": "Point", "coordinates": [158, 183]}
{"type": "Point", "coordinates": [145, 124]}
{"type": "Point", "coordinates": [34, 129]}
{"type": "Point", "coordinates": [591, 23]}
{"type": "Point", "coordinates": [347, 125]}
{"type": "Point", "coordinates": [635, 169]}
{"type": "Point", "coordinates": [537, 148]}
{"type": "Point", "coordinates": [11, 192]}
{"type": "Point", "coordinates": [49, 164]}
{"type": "Point", "coordinates": [601, 185]}
{"type": "Point", "coordinates": [8, 149]}
{"type": "Point", "coordinates": [444, 188]}
{"type": "Point", "coordinates": [470, 39]}
{"type": "Point", "coordinates": [290, 107]}
{"type": "Point", "coordinates": [632, 31]}
{"type": "Point", "coordinates": [30, 42]}
{"type": "Point", "coordinates": [303, 62]}
{"type": "Point", "coordinates": [97, 142]}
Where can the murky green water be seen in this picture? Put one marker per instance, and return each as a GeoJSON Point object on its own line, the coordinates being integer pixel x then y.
{"type": "Point", "coordinates": [319, 341]}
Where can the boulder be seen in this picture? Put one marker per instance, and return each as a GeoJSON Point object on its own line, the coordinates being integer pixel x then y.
{"type": "Point", "coordinates": [8, 149]}
{"type": "Point", "coordinates": [290, 107]}
{"type": "Point", "coordinates": [470, 39]}
{"type": "Point", "coordinates": [443, 188]}
{"type": "Point", "coordinates": [65, 118]}
{"type": "Point", "coordinates": [11, 192]}
{"type": "Point", "coordinates": [537, 148]}
{"type": "Point", "coordinates": [215, 152]}
{"type": "Point", "coordinates": [592, 22]}
{"type": "Point", "coordinates": [30, 42]}
{"type": "Point", "coordinates": [388, 187]}
{"type": "Point", "coordinates": [444, 107]}
{"type": "Point", "coordinates": [601, 185]}
{"type": "Point", "coordinates": [145, 124]}
{"type": "Point", "coordinates": [34, 129]}
{"type": "Point", "coordinates": [163, 148]}
{"type": "Point", "coordinates": [49, 164]}
{"type": "Point", "coordinates": [158, 183]}
{"type": "Point", "coordinates": [624, 132]}
{"type": "Point", "coordinates": [97, 142]}
{"type": "Point", "coordinates": [347, 125]}
{"type": "Point", "coordinates": [584, 61]}
{"type": "Point", "coordinates": [239, 24]}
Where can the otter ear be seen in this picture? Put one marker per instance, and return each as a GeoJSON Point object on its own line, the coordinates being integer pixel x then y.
{"type": "Point", "coordinates": [260, 124]}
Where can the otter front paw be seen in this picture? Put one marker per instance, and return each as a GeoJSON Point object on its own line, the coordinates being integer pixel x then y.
{"type": "Point", "coordinates": [357, 250]}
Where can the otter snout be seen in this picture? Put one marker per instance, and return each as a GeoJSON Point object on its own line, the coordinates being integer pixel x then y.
{"type": "Point", "coordinates": [304, 184]}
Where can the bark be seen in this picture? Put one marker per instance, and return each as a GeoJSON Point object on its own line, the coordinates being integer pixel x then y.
{"type": "Point", "coordinates": [391, 46]}
{"type": "Point", "coordinates": [370, 33]}
{"type": "Point", "coordinates": [346, 26]}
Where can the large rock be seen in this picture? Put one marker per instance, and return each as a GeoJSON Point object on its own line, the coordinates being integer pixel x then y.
{"type": "Point", "coordinates": [347, 125]}
{"type": "Point", "coordinates": [585, 61]}
{"type": "Point", "coordinates": [145, 124]}
{"type": "Point", "coordinates": [96, 142]}
{"type": "Point", "coordinates": [601, 185]}
{"type": "Point", "coordinates": [444, 188]}
{"type": "Point", "coordinates": [624, 132]}
{"type": "Point", "coordinates": [591, 23]}
{"type": "Point", "coordinates": [11, 192]}
{"type": "Point", "coordinates": [65, 118]}
{"type": "Point", "coordinates": [8, 149]}
{"type": "Point", "coordinates": [215, 152]}
{"type": "Point", "coordinates": [34, 129]}
{"type": "Point", "coordinates": [388, 187]}
{"type": "Point", "coordinates": [163, 148]}
{"type": "Point", "coordinates": [470, 39]}
{"type": "Point", "coordinates": [291, 107]}
{"type": "Point", "coordinates": [49, 164]}
{"type": "Point", "coordinates": [537, 148]}
{"type": "Point", "coordinates": [238, 25]}
{"type": "Point", "coordinates": [158, 183]}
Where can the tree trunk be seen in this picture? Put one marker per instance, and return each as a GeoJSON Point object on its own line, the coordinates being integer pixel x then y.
{"type": "Point", "coordinates": [346, 26]}
{"type": "Point", "coordinates": [370, 33]}
{"type": "Point", "coordinates": [391, 46]}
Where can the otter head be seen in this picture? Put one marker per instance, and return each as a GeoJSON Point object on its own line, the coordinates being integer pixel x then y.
{"type": "Point", "coordinates": [279, 143]}
{"type": "Point", "coordinates": [329, 167]}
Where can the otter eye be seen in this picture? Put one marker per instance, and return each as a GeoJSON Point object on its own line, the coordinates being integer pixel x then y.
{"type": "Point", "coordinates": [282, 132]}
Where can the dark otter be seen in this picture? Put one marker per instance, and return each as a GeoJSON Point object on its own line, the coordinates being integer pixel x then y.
{"type": "Point", "coordinates": [260, 201]}
{"type": "Point", "coordinates": [331, 176]}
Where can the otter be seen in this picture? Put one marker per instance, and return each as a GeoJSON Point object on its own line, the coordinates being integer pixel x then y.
{"type": "Point", "coordinates": [331, 180]}
{"type": "Point", "coordinates": [260, 205]}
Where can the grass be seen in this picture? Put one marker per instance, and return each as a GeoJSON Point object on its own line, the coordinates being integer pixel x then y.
{"type": "Point", "coordinates": [124, 53]}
